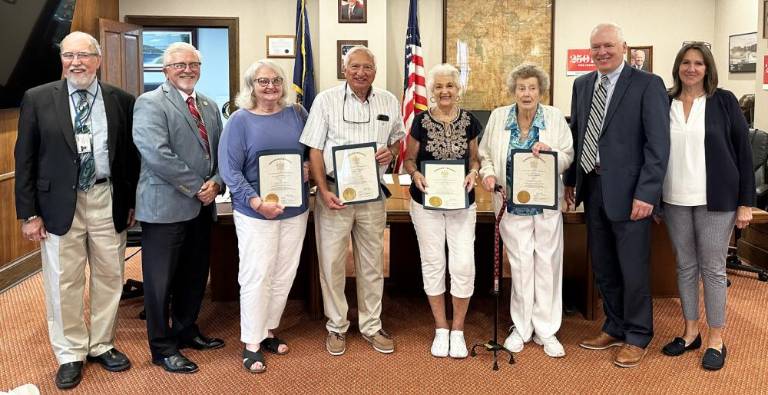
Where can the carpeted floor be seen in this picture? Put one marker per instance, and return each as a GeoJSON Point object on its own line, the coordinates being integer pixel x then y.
{"type": "Point", "coordinates": [26, 357]}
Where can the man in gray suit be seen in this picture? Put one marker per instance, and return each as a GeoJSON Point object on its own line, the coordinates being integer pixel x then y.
{"type": "Point", "coordinates": [176, 130]}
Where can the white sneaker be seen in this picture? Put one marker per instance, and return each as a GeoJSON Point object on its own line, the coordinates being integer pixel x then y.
{"type": "Point", "coordinates": [458, 345]}
{"type": "Point", "coordinates": [514, 342]}
{"type": "Point", "coordinates": [552, 346]}
{"type": "Point", "coordinates": [440, 344]}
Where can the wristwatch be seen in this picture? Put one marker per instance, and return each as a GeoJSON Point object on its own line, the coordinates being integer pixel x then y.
{"type": "Point", "coordinates": [30, 219]}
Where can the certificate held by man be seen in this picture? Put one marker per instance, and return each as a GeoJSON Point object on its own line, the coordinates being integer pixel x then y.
{"type": "Point", "coordinates": [356, 173]}
{"type": "Point", "coordinates": [534, 179]}
{"type": "Point", "coordinates": [281, 177]}
{"type": "Point", "coordinates": [445, 184]}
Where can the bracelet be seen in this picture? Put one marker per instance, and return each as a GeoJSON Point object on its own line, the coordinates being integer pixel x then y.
{"type": "Point", "coordinates": [261, 203]}
{"type": "Point", "coordinates": [30, 219]}
{"type": "Point", "coordinates": [474, 171]}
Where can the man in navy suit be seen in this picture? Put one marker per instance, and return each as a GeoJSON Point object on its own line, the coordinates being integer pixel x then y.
{"type": "Point", "coordinates": [620, 125]}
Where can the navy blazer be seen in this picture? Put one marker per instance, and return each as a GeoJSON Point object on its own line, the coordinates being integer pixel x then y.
{"type": "Point", "coordinates": [727, 153]}
{"type": "Point", "coordinates": [633, 144]}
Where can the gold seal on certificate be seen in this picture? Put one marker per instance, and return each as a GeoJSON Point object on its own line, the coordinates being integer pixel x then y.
{"type": "Point", "coordinates": [281, 177]}
{"type": "Point", "coordinates": [534, 180]}
{"type": "Point", "coordinates": [445, 184]}
{"type": "Point", "coordinates": [356, 173]}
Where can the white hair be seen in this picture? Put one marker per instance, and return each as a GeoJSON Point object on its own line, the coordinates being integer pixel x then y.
{"type": "Point", "coordinates": [94, 43]}
{"type": "Point", "coordinates": [609, 25]}
{"type": "Point", "coordinates": [359, 48]}
{"type": "Point", "coordinates": [180, 47]}
{"type": "Point", "coordinates": [246, 99]}
{"type": "Point", "coordinates": [442, 70]}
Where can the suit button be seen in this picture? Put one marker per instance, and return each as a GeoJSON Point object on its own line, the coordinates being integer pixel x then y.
{"type": "Point", "coordinates": [73, 187]}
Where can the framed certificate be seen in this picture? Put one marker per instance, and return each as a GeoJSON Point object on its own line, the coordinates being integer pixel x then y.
{"type": "Point", "coordinates": [281, 177]}
{"type": "Point", "coordinates": [534, 180]}
{"type": "Point", "coordinates": [356, 173]}
{"type": "Point", "coordinates": [445, 184]}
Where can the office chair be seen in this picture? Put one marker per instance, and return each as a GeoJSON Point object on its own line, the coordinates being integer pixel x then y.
{"type": "Point", "coordinates": [133, 288]}
{"type": "Point", "coordinates": [759, 143]}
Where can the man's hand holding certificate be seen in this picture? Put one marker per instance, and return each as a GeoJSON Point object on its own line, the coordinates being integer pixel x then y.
{"type": "Point", "coordinates": [356, 172]}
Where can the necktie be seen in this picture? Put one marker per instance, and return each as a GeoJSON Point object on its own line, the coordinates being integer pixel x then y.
{"type": "Point", "coordinates": [199, 122]}
{"type": "Point", "coordinates": [87, 168]}
{"type": "Point", "coordinates": [594, 124]}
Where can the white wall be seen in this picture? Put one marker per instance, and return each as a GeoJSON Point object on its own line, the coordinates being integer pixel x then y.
{"type": "Point", "coordinates": [733, 17]}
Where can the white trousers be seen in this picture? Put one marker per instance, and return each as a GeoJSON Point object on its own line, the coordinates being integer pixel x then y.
{"type": "Point", "coordinates": [366, 223]}
{"type": "Point", "coordinates": [269, 256]}
{"type": "Point", "coordinates": [534, 246]}
{"type": "Point", "coordinates": [433, 229]}
{"type": "Point", "coordinates": [92, 239]}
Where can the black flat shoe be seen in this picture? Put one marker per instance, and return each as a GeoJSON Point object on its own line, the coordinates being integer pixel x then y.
{"type": "Point", "coordinates": [201, 342]}
{"type": "Point", "coordinates": [677, 346]}
{"type": "Point", "coordinates": [177, 363]}
{"type": "Point", "coordinates": [69, 375]}
{"type": "Point", "coordinates": [112, 360]}
{"type": "Point", "coordinates": [713, 359]}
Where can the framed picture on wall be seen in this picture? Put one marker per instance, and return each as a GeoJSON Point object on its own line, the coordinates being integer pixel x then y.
{"type": "Point", "coordinates": [342, 47]}
{"type": "Point", "coordinates": [156, 41]}
{"type": "Point", "coordinates": [765, 19]}
{"type": "Point", "coordinates": [742, 53]}
{"type": "Point", "coordinates": [281, 46]}
{"type": "Point", "coordinates": [641, 58]}
{"type": "Point", "coordinates": [353, 11]}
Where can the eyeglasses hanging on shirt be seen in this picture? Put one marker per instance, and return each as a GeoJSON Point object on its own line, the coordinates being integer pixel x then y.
{"type": "Point", "coordinates": [355, 121]}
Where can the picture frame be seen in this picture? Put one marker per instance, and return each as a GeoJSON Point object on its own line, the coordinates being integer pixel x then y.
{"type": "Point", "coordinates": [342, 46]}
{"type": "Point", "coordinates": [643, 54]}
{"type": "Point", "coordinates": [156, 41]}
{"type": "Point", "coordinates": [353, 11]}
{"type": "Point", "coordinates": [742, 53]}
{"type": "Point", "coordinates": [765, 19]}
{"type": "Point", "coordinates": [281, 46]}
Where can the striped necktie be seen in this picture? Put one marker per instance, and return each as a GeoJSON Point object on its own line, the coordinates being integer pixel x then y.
{"type": "Point", "coordinates": [594, 124]}
{"type": "Point", "coordinates": [87, 168]}
{"type": "Point", "coordinates": [199, 121]}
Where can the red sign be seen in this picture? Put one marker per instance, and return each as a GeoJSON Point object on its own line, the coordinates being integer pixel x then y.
{"type": "Point", "coordinates": [765, 72]}
{"type": "Point", "coordinates": [579, 62]}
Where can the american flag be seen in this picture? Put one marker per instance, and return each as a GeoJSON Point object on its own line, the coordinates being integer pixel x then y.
{"type": "Point", "coordinates": [414, 87]}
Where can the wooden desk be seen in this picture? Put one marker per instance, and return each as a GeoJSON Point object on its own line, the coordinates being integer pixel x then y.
{"type": "Point", "coordinates": [579, 290]}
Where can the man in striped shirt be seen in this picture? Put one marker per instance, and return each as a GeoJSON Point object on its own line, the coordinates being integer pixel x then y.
{"type": "Point", "coordinates": [352, 113]}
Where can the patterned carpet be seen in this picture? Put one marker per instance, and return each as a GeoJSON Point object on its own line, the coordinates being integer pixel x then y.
{"type": "Point", "coordinates": [26, 357]}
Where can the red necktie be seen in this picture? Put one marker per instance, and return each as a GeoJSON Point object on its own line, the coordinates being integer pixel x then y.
{"type": "Point", "coordinates": [199, 122]}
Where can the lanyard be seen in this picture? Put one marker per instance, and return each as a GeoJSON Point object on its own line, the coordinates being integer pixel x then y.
{"type": "Point", "coordinates": [90, 108]}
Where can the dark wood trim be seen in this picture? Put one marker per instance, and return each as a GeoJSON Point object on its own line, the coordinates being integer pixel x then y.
{"type": "Point", "coordinates": [19, 270]}
{"type": "Point", "coordinates": [233, 29]}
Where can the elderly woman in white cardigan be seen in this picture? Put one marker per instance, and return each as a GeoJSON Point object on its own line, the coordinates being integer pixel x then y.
{"type": "Point", "coordinates": [533, 237]}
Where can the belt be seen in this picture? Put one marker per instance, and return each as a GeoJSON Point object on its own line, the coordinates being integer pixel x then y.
{"type": "Point", "coordinates": [101, 180]}
{"type": "Point", "coordinates": [596, 171]}
{"type": "Point", "coordinates": [384, 188]}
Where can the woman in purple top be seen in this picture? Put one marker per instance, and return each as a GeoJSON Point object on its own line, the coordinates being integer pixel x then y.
{"type": "Point", "coordinates": [268, 233]}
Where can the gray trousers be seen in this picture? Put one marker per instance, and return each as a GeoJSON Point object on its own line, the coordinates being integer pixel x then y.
{"type": "Point", "coordinates": [700, 241]}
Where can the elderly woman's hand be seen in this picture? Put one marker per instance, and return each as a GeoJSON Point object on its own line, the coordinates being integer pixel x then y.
{"type": "Point", "coordinates": [743, 216]}
{"type": "Point", "coordinates": [419, 181]}
{"type": "Point", "coordinates": [489, 183]}
{"type": "Point", "coordinates": [305, 170]}
{"type": "Point", "coordinates": [469, 180]}
{"type": "Point", "coordinates": [267, 209]}
{"type": "Point", "coordinates": [538, 147]}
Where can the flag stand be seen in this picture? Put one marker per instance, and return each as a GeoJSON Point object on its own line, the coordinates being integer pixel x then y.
{"type": "Point", "coordinates": [493, 344]}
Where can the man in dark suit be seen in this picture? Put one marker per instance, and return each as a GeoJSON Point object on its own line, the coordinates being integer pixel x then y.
{"type": "Point", "coordinates": [352, 11]}
{"type": "Point", "coordinates": [620, 124]}
{"type": "Point", "coordinates": [76, 173]}
{"type": "Point", "coordinates": [177, 131]}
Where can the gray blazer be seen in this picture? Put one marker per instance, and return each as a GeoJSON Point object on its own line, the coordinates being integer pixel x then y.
{"type": "Point", "coordinates": [174, 164]}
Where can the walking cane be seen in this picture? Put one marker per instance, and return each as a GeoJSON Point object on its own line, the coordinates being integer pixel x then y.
{"type": "Point", "coordinates": [493, 344]}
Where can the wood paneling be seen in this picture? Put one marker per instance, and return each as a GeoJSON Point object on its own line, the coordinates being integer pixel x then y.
{"type": "Point", "coordinates": [88, 12]}
{"type": "Point", "coordinates": [20, 269]}
{"type": "Point", "coordinates": [122, 59]}
{"type": "Point", "coordinates": [9, 122]}
{"type": "Point", "coordinates": [12, 245]}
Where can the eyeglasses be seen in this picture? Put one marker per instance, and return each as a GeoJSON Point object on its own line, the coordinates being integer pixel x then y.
{"type": "Point", "coordinates": [365, 67]}
{"type": "Point", "coordinates": [183, 66]}
{"type": "Point", "coordinates": [264, 82]}
{"type": "Point", "coordinates": [344, 111]}
{"type": "Point", "coordinates": [86, 56]}
{"type": "Point", "coordinates": [704, 43]}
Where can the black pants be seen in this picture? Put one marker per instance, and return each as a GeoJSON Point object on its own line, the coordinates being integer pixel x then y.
{"type": "Point", "coordinates": [175, 267]}
{"type": "Point", "coordinates": [620, 252]}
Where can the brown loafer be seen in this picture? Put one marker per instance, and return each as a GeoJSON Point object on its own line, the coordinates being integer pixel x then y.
{"type": "Point", "coordinates": [629, 356]}
{"type": "Point", "coordinates": [601, 342]}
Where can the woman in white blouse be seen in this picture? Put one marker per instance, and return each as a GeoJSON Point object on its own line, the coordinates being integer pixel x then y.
{"type": "Point", "coordinates": [533, 237]}
{"type": "Point", "coordinates": [709, 187]}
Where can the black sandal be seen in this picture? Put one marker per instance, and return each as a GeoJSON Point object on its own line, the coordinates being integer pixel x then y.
{"type": "Point", "coordinates": [272, 344]}
{"type": "Point", "coordinates": [250, 358]}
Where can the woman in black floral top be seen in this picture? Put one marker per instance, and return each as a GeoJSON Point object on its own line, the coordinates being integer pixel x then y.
{"type": "Point", "coordinates": [445, 132]}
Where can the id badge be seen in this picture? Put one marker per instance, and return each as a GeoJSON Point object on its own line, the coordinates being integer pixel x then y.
{"type": "Point", "coordinates": [83, 143]}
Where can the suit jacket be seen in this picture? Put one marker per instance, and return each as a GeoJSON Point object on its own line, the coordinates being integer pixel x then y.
{"type": "Point", "coordinates": [174, 163]}
{"type": "Point", "coordinates": [47, 160]}
{"type": "Point", "coordinates": [727, 153]}
{"type": "Point", "coordinates": [633, 144]}
{"type": "Point", "coordinates": [357, 13]}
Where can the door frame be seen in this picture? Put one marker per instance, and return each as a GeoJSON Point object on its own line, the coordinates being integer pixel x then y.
{"type": "Point", "coordinates": [231, 23]}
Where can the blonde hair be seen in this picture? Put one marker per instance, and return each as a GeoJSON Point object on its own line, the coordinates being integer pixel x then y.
{"type": "Point", "coordinates": [246, 99]}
